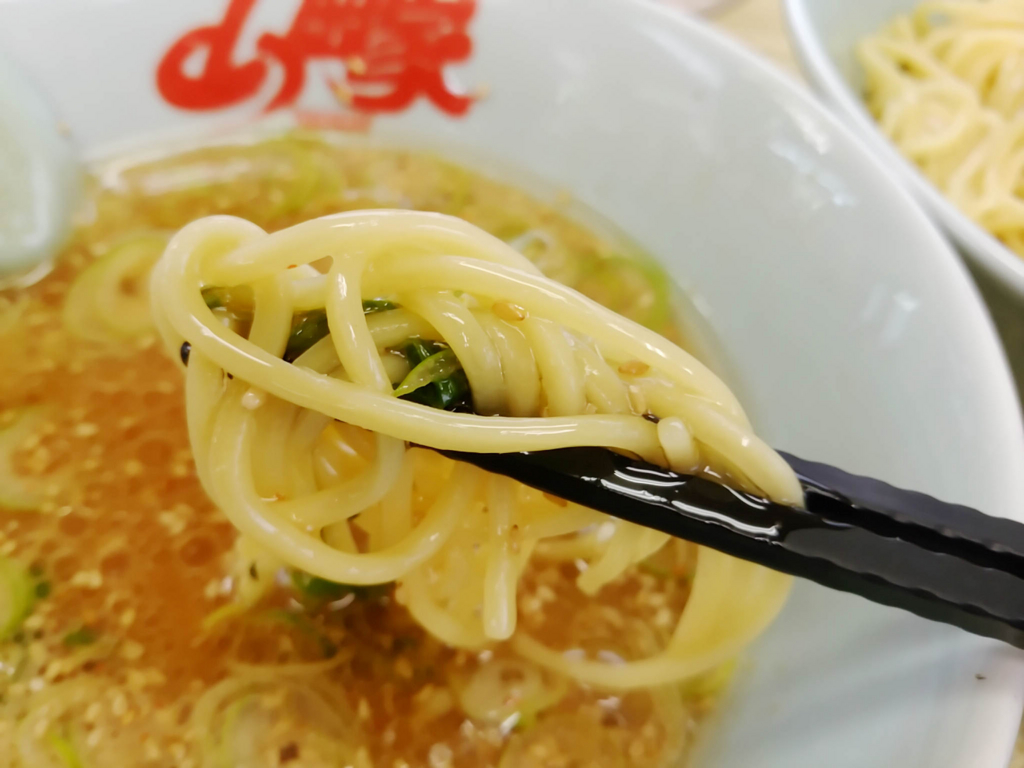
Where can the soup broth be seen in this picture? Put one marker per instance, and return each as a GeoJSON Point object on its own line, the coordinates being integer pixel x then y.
{"type": "Point", "coordinates": [129, 640]}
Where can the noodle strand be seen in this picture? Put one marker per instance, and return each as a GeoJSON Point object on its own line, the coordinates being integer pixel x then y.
{"type": "Point", "coordinates": [310, 460]}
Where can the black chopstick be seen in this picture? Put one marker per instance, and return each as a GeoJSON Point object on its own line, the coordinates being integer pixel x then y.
{"type": "Point", "coordinates": [945, 562]}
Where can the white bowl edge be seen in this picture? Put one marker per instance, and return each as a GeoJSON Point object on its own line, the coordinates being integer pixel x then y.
{"type": "Point", "coordinates": [1007, 664]}
{"type": "Point", "coordinates": [998, 705]}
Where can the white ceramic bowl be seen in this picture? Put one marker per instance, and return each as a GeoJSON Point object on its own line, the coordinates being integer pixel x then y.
{"type": "Point", "coordinates": [849, 325]}
{"type": "Point", "coordinates": [824, 33]}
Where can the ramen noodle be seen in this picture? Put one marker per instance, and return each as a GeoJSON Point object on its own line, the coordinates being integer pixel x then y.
{"type": "Point", "coordinates": [946, 84]}
{"type": "Point", "coordinates": [378, 604]}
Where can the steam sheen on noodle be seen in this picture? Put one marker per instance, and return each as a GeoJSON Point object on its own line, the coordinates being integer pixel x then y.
{"type": "Point", "coordinates": [313, 460]}
{"type": "Point", "coordinates": [945, 84]}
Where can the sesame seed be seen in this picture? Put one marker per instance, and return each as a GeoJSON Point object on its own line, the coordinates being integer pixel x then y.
{"type": "Point", "coordinates": [509, 312]}
{"type": "Point", "coordinates": [440, 756]}
{"type": "Point", "coordinates": [132, 650]}
{"type": "Point", "coordinates": [172, 522]}
{"type": "Point", "coordinates": [634, 368]}
{"type": "Point", "coordinates": [87, 579]}
{"type": "Point", "coordinates": [253, 398]}
{"type": "Point", "coordinates": [403, 668]}
{"type": "Point", "coordinates": [119, 706]}
{"type": "Point", "coordinates": [555, 500]}
{"type": "Point", "coordinates": [151, 750]}
{"type": "Point", "coordinates": [86, 429]}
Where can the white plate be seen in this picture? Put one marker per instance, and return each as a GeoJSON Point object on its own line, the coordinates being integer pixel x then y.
{"type": "Point", "coordinates": [853, 332]}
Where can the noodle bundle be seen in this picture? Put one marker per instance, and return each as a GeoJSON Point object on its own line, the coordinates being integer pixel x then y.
{"type": "Point", "coordinates": [946, 84]}
{"type": "Point", "coordinates": [326, 359]}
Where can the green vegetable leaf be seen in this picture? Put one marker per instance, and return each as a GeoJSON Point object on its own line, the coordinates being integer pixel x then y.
{"type": "Point", "coordinates": [434, 369]}
{"type": "Point", "coordinates": [436, 379]}
{"type": "Point", "coordinates": [418, 350]}
{"type": "Point", "coordinates": [315, 588]}
{"type": "Point", "coordinates": [307, 329]}
{"type": "Point", "coordinates": [447, 394]}
{"type": "Point", "coordinates": [237, 301]}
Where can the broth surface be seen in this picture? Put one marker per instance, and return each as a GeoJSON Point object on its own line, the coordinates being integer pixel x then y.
{"type": "Point", "coordinates": [131, 655]}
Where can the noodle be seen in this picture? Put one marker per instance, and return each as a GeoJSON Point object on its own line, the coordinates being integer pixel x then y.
{"type": "Point", "coordinates": [263, 562]}
{"type": "Point", "coordinates": [546, 368]}
{"type": "Point", "coordinates": [945, 84]}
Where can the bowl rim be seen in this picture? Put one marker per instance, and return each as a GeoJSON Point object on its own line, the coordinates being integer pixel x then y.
{"type": "Point", "coordinates": [982, 248]}
{"type": "Point", "coordinates": [1000, 711]}
{"type": "Point", "coordinates": [864, 138]}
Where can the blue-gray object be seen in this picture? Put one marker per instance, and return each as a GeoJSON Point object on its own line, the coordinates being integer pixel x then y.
{"type": "Point", "coordinates": [40, 176]}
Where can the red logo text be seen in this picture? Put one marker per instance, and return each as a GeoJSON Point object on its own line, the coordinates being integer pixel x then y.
{"type": "Point", "coordinates": [394, 51]}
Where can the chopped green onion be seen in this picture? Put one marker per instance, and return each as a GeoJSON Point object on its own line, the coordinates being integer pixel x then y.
{"type": "Point", "coordinates": [502, 688]}
{"type": "Point", "coordinates": [307, 329]}
{"type": "Point", "coordinates": [526, 721]}
{"type": "Point", "coordinates": [81, 636]}
{"type": "Point", "coordinates": [315, 587]}
{"type": "Point", "coordinates": [238, 304]}
{"type": "Point", "coordinates": [13, 663]}
{"type": "Point", "coordinates": [318, 589]}
{"type": "Point", "coordinates": [370, 591]}
{"type": "Point", "coordinates": [43, 589]}
{"type": "Point", "coordinates": [17, 595]}
{"type": "Point", "coordinates": [447, 394]}
{"type": "Point", "coordinates": [418, 350]}
{"type": "Point", "coordinates": [238, 301]}
{"type": "Point", "coordinates": [633, 286]}
{"type": "Point", "coordinates": [435, 368]}
{"type": "Point", "coordinates": [433, 364]}
{"type": "Point", "coordinates": [66, 752]}
{"type": "Point", "coordinates": [15, 493]}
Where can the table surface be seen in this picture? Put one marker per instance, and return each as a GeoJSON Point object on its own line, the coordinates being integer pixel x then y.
{"type": "Point", "coordinates": [759, 23]}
